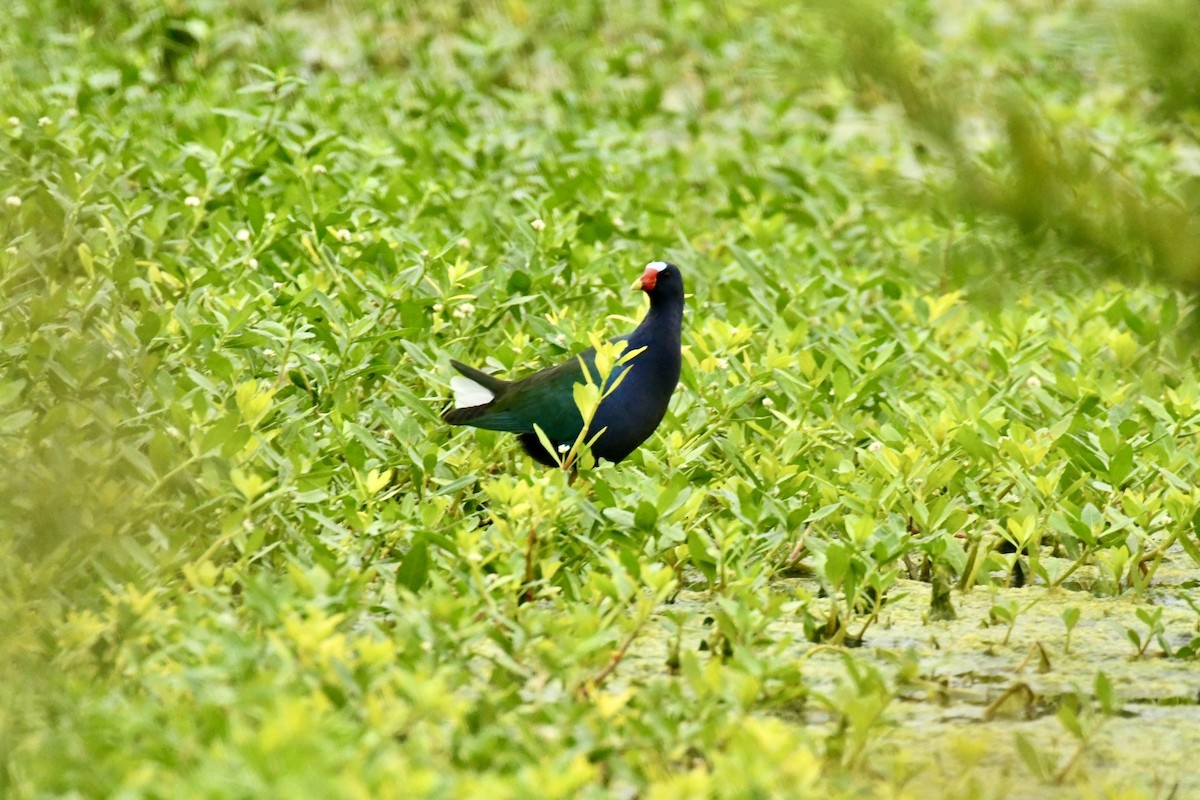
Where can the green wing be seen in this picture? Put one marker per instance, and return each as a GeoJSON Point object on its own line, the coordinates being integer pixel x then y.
{"type": "Point", "coordinates": [546, 398]}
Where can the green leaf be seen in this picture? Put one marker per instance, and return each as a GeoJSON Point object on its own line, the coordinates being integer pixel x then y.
{"type": "Point", "coordinates": [1070, 616]}
{"type": "Point", "coordinates": [837, 563]}
{"type": "Point", "coordinates": [250, 484]}
{"type": "Point", "coordinates": [414, 568]}
{"type": "Point", "coordinates": [1031, 757]}
{"type": "Point", "coordinates": [518, 282]}
{"type": "Point", "coordinates": [1105, 694]}
{"type": "Point", "coordinates": [701, 560]}
{"type": "Point", "coordinates": [1121, 465]}
{"type": "Point", "coordinates": [645, 516]}
{"type": "Point", "coordinates": [1070, 720]}
{"type": "Point", "coordinates": [546, 443]}
{"type": "Point", "coordinates": [85, 259]}
{"type": "Point", "coordinates": [587, 398]}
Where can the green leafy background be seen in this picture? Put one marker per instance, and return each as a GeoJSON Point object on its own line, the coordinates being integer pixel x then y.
{"type": "Point", "coordinates": [920, 520]}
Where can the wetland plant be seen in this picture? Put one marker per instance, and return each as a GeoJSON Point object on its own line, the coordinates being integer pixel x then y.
{"type": "Point", "coordinates": [1082, 719]}
{"type": "Point", "coordinates": [1070, 617]}
{"type": "Point", "coordinates": [1155, 632]}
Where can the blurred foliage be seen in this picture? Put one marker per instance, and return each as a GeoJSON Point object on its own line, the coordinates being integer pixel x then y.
{"type": "Point", "coordinates": [1076, 121]}
{"type": "Point", "coordinates": [240, 241]}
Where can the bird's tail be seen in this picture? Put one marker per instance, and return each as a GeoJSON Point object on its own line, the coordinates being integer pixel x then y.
{"type": "Point", "coordinates": [474, 391]}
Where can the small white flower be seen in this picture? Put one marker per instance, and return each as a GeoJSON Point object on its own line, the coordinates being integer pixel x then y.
{"type": "Point", "coordinates": [253, 263]}
{"type": "Point", "coordinates": [14, 121]}
{"type": "Point", "coordinates": [1033, 382]}
{"type": "Point", "coordinates": [464, 243]}
{"type": "Point", "coordinates": [538, 225]}
{"type": "Point", "coordinates": [270, 216]}
{"type": "Point", "coordinates": [768, 402]}
{"type": "Point", "coordinates": [319, 169]}
{"type": "Point", "coordinates": [464, 310]}
{"type": "Point", "coordinates": [43, 122]}
{"type": "Point", "coordinates": [437, 307]}
{"type": "Point", "coordinates": [277, 286]}
{"type": "Point", "coordinates": [268, 353]}
{"type": "Point", "coordinates": [723, 363]}
{"type": "Point", "coordinates": [424, 254]}
{"type": "Point", "coordinates": [875, 446]}
{"type": "Point", "coordinates": [315, 357]}
{"type": "Point", "coordinates": [191, 201]}
{"type": "Point", "coordinates": [12, 251]}
{"type": "Point", "coordinates": [72, 112]}
{"type": "Point", "coordinates": [12, 201]}
{"type": "Point", "coordinates": [563, 448]}
{"type": "Point", "coordinates": [243, 235]}
{"type": "Point", "coordinates": [343, 235]}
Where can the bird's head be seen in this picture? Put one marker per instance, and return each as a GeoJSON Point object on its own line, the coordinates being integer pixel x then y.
{"type": "Point", "coordinates": [661, 280]}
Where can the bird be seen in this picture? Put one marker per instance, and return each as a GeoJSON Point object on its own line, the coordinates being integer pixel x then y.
{"type": "Point", "coordinates": [625, 417]}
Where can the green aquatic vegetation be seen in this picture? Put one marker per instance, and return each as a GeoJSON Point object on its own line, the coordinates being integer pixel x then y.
{"type": "Point", "coordinates": [1080, 717]}
{"type": "Point", "coordinates": [1070, 618]}
{"type": "Point", "coordinates": [924, 388]}
{"type": "Point", "coordinates": [1151, 618]}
